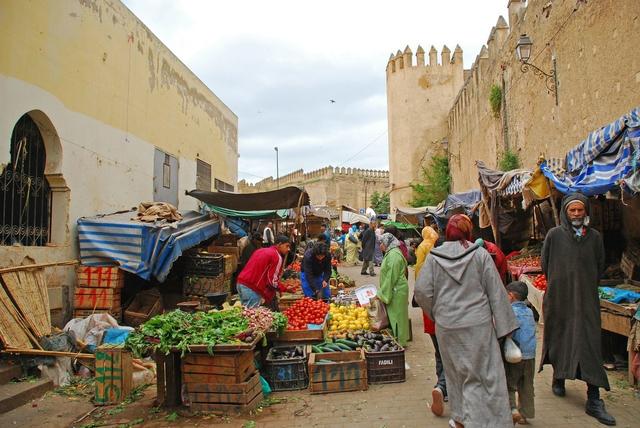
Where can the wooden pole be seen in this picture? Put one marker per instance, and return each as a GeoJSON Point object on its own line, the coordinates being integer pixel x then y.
{"type": "Point", "coordinates": [22, 351]}
{"type": "Point", "coordinates": [556, 219]}
{"type": "Point", "coordinates": [39, 265]}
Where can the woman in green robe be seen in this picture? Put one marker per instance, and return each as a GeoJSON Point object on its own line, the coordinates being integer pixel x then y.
{"type": "Point", "coordinates": [394, 288]}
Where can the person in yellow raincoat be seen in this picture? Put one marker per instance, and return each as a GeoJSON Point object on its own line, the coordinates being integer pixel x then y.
{"type": "Point", "coordinates": [394, 287]}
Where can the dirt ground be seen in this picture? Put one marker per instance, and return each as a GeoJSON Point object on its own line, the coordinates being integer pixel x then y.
{"type": "Point", "coordinates": [391, 405]}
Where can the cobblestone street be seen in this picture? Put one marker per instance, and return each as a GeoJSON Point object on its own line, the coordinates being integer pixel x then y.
{"type": "Point", "coordinates": [391, 405]}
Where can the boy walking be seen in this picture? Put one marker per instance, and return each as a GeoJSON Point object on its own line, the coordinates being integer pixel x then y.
{"type": "Point", "coordinates": [520, 375]}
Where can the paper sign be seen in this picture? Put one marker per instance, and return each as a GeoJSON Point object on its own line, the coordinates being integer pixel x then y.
{"type": "Point", "coordinates": [366, 293]}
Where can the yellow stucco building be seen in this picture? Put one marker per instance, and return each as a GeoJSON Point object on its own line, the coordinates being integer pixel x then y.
{"type": "Point", "coordinates": [96, 115]}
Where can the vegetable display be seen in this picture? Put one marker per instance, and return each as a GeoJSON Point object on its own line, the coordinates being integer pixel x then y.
{"type": "Point", "coordinates": [337, 345]}
{"type": "Point", "coordinates": [293, 285]}
{"type": "Point", "coordinates": [286, 353]}
{"type": "Point", "coordinates": [306, 311]}
{"type": "Point", "coordinates": [375, 342]}
{"type": "Point", "coordinates": [179, 330]}
{"type": "Point", "coordinates": [347, 318]}
{"type": "Point", "coordinates": [540, 282]}
{"type": "Point", "coordinates": [525, 262]}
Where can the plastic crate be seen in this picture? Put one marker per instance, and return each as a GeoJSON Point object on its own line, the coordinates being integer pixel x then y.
{"type": "Point", "coordinates": [385, 367]}
{"type": "Point", "coordinates": [203, 264]}
{"type": "Point", "coordinates": [200, 286]}
{"type": "Point", "coordinates": [287, 375]}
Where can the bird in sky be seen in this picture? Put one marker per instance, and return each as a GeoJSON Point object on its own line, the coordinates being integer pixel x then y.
{"type": "Point", "coordinates": [332, 101]}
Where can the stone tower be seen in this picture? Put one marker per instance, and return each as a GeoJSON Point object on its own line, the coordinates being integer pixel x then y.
{"type": "Point", "coordinates": [419, 97]}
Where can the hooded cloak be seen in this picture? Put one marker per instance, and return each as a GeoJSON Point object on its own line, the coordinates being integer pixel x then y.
{"type": "Point", "coordinates": [573, 265]}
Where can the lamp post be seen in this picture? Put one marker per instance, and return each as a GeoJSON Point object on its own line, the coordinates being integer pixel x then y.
{"type": "Point", "coordinates": [277, 169]}
{"type": "Point", "coordinates": [523, 53]}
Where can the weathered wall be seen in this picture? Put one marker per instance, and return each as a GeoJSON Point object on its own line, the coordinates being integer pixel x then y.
{"type": "Point", "coordinates": [105, 93]}
{"type": "Point", "coordinates": [598, 80]}
{"type": "Point", "coordinates": [419, 97]}
{"type": "Point", "coordinates": [329, 186]}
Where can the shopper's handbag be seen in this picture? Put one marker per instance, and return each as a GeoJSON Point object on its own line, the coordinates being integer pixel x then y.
{"type": "Point", "coordinates": [378, 315]}
{"type": "Point", "coordinates": [512, 354]}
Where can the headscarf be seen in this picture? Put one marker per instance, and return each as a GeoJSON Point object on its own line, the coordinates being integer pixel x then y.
{"type": "Point", "coordinates": [459, 228]}
{"type": "Point", "coordinates": [389, 241]}
{"type": "Point", "coordinates": [578, 232]}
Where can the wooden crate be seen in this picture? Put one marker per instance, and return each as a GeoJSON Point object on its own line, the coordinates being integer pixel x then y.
{"type": "Point", "coordinates": [225, 398]}
{"type": "Point", "coordinates": [230, 264]}
{"type": "Point", "coordinates": [224, 249]}
{"type": "Point", "coordinates": [300, 336]}
{"type": "Point", "coordinates": [114, 375]}
{"type": "Point", "coordinates": [144, 306]}
{"type": "Point", "coordinates": [230, 368]}
{"type": "Point", "coordinates": [97, 298]}
{"type": "Point", "coordinates": [287, 300]}
{"type": "Point", "coordinates": [99, 276]}
{"type": "Point", "coordinates": [348, 372]}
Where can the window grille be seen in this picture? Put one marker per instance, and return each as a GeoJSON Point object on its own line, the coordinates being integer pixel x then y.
{"type": "Point", "coordinates": [221, 185]}
{"type": "Point", "coordinates": [25, 213]}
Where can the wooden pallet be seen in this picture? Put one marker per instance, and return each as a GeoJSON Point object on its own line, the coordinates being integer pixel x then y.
{"type": "Point", "coordinates": [348, 372]}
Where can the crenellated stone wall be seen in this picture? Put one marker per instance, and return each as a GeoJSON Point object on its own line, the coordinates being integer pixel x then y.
{"type": "Point", "coordinates": [329, 186]}
{"type": "Point", "coordinates": [597, 73]}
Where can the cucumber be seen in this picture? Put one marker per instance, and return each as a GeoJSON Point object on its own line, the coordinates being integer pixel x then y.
{"type": "Point", "coordinates": [343, 347]}
{"type": "Point", "coordinates": [316, 349]}
{"type": "Point", "coordinates": [350, 343]}
{"type": "Point", "coordinates": [333, 347]}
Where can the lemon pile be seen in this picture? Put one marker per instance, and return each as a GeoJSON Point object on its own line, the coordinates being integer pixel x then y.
{"type": "Point", "coordinates": [348, 318]}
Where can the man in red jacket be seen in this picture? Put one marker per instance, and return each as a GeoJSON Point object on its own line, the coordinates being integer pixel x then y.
{"type": "Point", "coordinates": [260, 278]}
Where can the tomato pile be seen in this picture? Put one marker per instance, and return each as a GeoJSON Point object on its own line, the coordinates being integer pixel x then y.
{"type": "Point", "coordinates": [295, 266]}
{"type": "Point", "coordinates": [293, 285]}
{"type": "Point", "coordinates": [306, 311]}
{"type": "Point", "coordinates": [540, 282]}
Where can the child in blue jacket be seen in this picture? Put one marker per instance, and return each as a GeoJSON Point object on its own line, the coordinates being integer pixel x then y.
{"type": "Point", "coordinates": [520, 375]}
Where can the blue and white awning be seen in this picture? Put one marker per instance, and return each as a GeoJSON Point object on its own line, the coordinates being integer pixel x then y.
{"type": "Point", "coordinates": [603, 161]}
{"type": "Point", "coordinates": [145, 249]}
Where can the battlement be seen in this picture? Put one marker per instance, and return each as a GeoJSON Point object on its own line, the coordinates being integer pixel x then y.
{"type": "Point", "coordinates": [299, 177]}
{"type": "Point", "coordinates": [403, 60]}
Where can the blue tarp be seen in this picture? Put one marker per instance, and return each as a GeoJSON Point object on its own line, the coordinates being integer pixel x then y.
{"type": "Point", "coordinates": [145, 249]}
{"type": "Point", "coordinates": [601, 162]}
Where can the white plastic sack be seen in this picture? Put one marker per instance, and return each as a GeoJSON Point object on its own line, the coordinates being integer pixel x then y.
{"type": "Point", "coordinates": [512, 353]}
{"type": "Point", "coordinates": [90, 329]}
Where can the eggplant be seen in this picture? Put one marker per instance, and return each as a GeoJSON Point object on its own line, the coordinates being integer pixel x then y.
{"type": "Point", "coordinates": [385, 347]}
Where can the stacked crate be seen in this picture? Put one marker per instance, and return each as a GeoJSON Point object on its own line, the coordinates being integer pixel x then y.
{"type": "Point", "coordinates": [224, 382]}
{"type": "Point", "coordinates": [204, 272]}
{"type": "Point", "coordinates": [98, 290]}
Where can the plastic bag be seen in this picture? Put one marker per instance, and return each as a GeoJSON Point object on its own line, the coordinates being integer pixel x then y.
{"type": "Point", "coordinates": [378, 315]}
{"type": "Point", "coordinates": [512, 353]}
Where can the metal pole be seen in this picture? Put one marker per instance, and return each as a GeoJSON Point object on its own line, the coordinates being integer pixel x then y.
{"type": "Point", "coordinates": [277, 169]}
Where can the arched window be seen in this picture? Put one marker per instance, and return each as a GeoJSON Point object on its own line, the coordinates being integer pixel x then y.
{"type": "Point", "coordinates": [25, 196]}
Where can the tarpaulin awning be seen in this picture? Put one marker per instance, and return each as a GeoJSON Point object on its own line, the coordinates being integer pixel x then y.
{"type": "Point", "coordinates": [145, 249]}
{"type": "Point", "coordinates": [468, 201]}
{"type": "Point", "coordinates": [319, 211]}
{"type": "Point", "coordinates": [606, 159]}
{"type": "Point", "coordinates": [281, 214]}
{"type": "Point", "coordinates": [287, 197]}
{"type": "Point", "coordinates": [353, 218]}
{"type": "Point", "coordinates": [505, 183]}
{"type": "Point", "coordinates": [401, 226]}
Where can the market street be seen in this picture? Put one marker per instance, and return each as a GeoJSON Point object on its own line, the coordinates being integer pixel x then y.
{"type": "Point", "coordinates": [388, 405]}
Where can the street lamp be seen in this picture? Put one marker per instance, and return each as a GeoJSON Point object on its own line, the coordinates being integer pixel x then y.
{"type": "Point", "coordinates": [523, 53]}
{"type": "Point", "coordinates": [277, 169]}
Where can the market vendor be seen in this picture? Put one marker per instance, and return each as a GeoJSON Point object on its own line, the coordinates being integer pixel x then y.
{"type": "Point", "coordinates": [316, 271]}
{"type": "Point", "coordinates": [573, 261]}
{"type": "Point", "coordinates": [260, 278]}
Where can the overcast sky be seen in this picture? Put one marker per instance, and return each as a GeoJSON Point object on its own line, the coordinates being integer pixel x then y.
{"type": "Point", "coordinates": [277, 64]}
